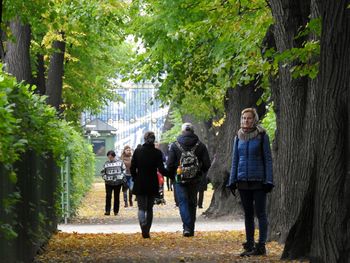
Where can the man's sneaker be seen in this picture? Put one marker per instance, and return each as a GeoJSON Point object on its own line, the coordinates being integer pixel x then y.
{"type": "Point", "coordinates": [259, 250]}
{"type": "Point", "coordinates": [248, 249]}
{"type": "Point", "coordinates": [115, 213]}
{"type": "Point", "coordinates": [107, 213]}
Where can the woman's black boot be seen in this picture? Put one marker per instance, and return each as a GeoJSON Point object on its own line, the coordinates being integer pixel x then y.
{"type": "Point", "coordinates": [259, 250]}
{"type": "Point", "coordinates": [248, 249]}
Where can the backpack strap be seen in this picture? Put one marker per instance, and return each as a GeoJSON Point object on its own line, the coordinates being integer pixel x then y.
{"type": "Point", "coordinates": [179, 146]}
{"type": "Point", "coordinates": [182, 149]}
{"type": "Point", "coordinates": [195, 147]}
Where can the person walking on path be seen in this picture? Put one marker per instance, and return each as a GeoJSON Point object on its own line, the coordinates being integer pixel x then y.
{"type": "Point", "coordinates": [145, 163]}
{"type": "Point", "coordinates": [113, 173]}
{"type": "Point", "coordinates": [126, 158]}
{"type": "Point", "coordinates": [188, 161]}
{"type": "Point", "coordinates": [251, 173]}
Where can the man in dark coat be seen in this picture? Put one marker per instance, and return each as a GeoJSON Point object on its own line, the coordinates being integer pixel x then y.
{"type": "Point", "coordinates": [144, 165]}
{"type": "Point", "coordinates": [186, 190]}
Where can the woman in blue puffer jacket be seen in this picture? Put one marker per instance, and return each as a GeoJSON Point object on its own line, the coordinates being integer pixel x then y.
{"type": "Point", "coordinates": [251, 174]}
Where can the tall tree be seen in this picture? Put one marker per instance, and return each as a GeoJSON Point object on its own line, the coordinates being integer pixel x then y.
{"type": "Point", "coordinates": [40, 79]}
{"type": "Point", "coordinates": [55, 73]}
{"type": "Point", "coordinates": [92, 53]}
{"type": "Point", "coordinates": [18, 51]}
{"type": "Point", "coordinates": [290, 97]}
{"type": "Point", "coordinates": [310, 205]}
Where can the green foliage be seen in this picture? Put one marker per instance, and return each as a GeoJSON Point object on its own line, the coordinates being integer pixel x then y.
{"type": "Point", "coordinates": [7, 231]}
{"type": "Point", "coordinates": [10, 144]}
{"type": "Point", "coordinates": [304, 60]}
{"type": "Point", "coordinates": [28, 123]}
{"type": "Point", "coordinates": [269, 122]}
{"type": "Point", "coordinates": [170, 136]}
{"type": "Point", "coordinates": [82, 160]}
{"type": "Point", "coordinates": [196, 50]}
{"type": "Point", "coordinates": [94, 46]}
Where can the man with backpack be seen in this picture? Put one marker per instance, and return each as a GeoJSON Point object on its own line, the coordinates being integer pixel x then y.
{"type": "Point", "coordinates": [188, 161]}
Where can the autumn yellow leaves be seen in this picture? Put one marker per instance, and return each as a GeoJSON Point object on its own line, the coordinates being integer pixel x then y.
{"type": "Point", "coordinates": [220, 246]}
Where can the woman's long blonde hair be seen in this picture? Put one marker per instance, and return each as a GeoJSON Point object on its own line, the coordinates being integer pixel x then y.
{"type": "Point", "coordinates": [125, 148]}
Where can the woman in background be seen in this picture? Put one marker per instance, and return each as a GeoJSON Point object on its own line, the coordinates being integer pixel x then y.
{"type": "Point", "coordinates": [126, 158]}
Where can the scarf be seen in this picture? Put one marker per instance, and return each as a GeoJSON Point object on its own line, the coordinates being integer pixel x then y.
{"type": "Point", "coordinates": [246, 136]}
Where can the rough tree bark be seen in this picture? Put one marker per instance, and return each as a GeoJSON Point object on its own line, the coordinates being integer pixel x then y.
{"type": "Point", "coordinates": [223, 203]}
{"type": "Point", "coordinates": [55, 74]}
{"type": "Point", "coordinates": [330, 206]}
{"type": "Point", "coordinates": [18, 51]}
{"type": "Point", "coordinates": [292, 98]}
{"type": "Point", "coordinates": [310, 204]}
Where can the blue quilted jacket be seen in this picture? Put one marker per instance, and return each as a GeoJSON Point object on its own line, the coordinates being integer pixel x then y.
{"type": "Point", "coordinates": [252, 160]}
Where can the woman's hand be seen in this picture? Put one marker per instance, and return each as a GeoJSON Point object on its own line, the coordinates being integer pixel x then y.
{"type": "Point", "coordinates": [268, 188]}
{"type": "Point", "coordinates": [232, 188]}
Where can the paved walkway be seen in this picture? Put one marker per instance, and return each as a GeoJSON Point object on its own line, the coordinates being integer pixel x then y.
{"type": "Point", "coordinates": [209, 225]}
{"type": "Point", "coordinates": [90, 217]}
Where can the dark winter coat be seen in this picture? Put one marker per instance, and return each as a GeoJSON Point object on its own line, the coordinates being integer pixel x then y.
{"type": "Point", "coordinates": [144, 165]}
{"type": "Point", "coordinates": [252, 160]}
{"type": "Point", "coordinates": [188, 141]}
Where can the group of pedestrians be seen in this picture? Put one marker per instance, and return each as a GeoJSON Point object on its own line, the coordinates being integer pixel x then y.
{"type": "Point", "coordinates": [187, 165]}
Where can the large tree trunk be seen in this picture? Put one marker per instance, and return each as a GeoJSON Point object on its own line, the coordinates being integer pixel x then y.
{"type": "Point", "coordinates": [18, 52]}
{"type": "Point", "coordinates": [329, 202]}
{"type": "Point", "coordinates": [223, 202]}
{"type": "Point", "coordinates": [310, 203]}
{"type": "Point", "coordinates": [292, 97]}
{"type": "Point", "coordinates": [55, 74]}
{"type": "Point", "coordinates": [40, 80]}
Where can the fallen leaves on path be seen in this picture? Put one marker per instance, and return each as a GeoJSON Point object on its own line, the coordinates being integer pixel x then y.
{"type": "Point", "coordinates": [220, 246]}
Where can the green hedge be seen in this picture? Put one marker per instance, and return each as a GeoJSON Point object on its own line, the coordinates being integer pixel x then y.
{"type": "Point", "coordinates": [82, 161]}
{"type": "Point", "coordinates": [33, 143]}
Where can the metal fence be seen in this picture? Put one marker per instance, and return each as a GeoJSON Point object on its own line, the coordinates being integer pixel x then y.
{"type": "Point", "coordinates": [28, 214]}
{"type": "Point", "coordinates": [140, 112]}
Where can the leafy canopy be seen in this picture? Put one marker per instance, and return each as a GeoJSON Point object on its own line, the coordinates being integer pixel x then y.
{"type": "Point", "coordinates": [196, 50]}
{"type": "Point", "coordinates": [93, 33]}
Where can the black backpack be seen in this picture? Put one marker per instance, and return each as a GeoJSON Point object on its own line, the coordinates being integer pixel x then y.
{"type": "Point", "coordinates": [189, 162]}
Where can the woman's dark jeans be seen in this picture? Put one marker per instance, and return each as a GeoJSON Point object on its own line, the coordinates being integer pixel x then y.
{"type": "Point", "coordinates": [145, 213]}
{"type": "Point", "coordinates": [254, 199]}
